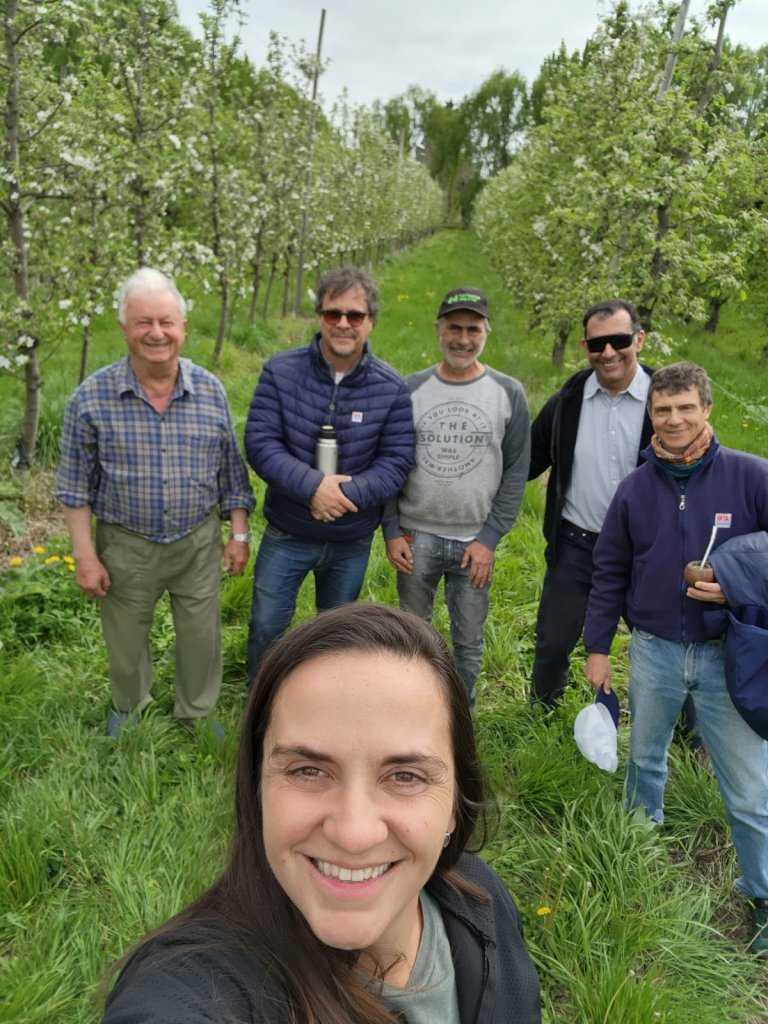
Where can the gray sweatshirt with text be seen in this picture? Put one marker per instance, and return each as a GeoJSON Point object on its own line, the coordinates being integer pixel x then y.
{"type": "Point", "coordinates": [472, 454]}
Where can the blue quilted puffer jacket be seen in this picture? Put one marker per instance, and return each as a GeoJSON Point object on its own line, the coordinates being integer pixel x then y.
{"type": "Point", "coordinates": [371, 411]}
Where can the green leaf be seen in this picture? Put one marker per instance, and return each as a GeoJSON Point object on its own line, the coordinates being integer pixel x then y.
{"type": "Point", "coordinates": [11, 515]}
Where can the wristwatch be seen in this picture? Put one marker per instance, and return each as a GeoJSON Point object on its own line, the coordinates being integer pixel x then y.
{"type": "Point", "coordinates": [244, 538]}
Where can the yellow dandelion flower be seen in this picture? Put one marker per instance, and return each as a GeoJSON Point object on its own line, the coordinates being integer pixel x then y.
{"type": "Point", "coordinates": [17, 561]}
{"type": "Point", "coordinates": [39, 549]}
{"type": "Point", "coordinates": [51, 559]}
{"type": "Point", "coordinates": [71, 566]}
{"type": "Point", "coordinates": [69, 559]}
{"type": "Point", "coordinates": [543, 911]}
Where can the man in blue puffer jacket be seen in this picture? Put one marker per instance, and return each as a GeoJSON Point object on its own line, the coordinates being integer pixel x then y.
{"type": "Point", "coordinates": [662, 517]}
{"type": "Point", "coordinates": [316, 522]}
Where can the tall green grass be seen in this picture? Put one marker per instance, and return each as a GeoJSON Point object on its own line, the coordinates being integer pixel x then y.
{"type": "Point", "coordinates": [99, 841]}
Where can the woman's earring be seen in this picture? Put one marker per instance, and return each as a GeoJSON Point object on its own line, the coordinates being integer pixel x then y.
{"type": "Point", "coordinates": [447, 840]}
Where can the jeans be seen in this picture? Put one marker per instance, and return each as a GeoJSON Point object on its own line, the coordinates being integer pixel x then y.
{"type": "Point", "coordinates": [282, 564]}
{"type": "Point", "coordinates": [661, 673]}
{"type": "Point", "coordinates": [434, 557]}
{"type": "Point", "coordinates": [560, 620]}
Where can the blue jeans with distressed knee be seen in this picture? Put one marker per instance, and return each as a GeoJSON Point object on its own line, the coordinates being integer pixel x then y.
{"type": "Point", "coordinates": [435, 557]}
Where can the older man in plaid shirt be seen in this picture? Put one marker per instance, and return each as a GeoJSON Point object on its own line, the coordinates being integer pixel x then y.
{"type": "Point", "coordinates": [149, 449]}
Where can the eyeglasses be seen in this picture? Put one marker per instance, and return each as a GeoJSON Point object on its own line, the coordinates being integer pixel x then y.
{"type": "Point", "coordinates": [333, 316]}
{"type": "Point", "coordinates": [614, 340]}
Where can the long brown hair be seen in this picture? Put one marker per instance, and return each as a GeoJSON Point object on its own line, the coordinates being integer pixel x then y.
{"type": "Point", "coordinates": [321, 982]}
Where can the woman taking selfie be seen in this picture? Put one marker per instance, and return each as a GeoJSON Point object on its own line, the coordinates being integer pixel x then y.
{"type": "Point", "coordinates": [348, 897]}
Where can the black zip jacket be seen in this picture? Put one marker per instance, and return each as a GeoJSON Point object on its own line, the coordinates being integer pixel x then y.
{"type": "Point", "coordinates": [208, 978]}
{"type": "Point", "coordinates": [553, 441]}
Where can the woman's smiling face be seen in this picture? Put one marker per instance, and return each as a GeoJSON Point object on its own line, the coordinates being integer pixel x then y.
{"type": "Point", "coordinates": [358, 792]}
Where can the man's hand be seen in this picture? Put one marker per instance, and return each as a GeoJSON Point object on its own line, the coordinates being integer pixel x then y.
{"type": "Point", "coordinates": [235, 557]}
{"type": "Point", "coordinates": [329, 501]}
{"type": "Point", "coordinates": [480, 560]}
{"type": "Point", "coordinates": [598, 671]}
{"type": "Point", "coordinates": [400, 555]}
{"type": "Point", "coordinates": [92, 577]}
{"type": "Point", "coordinates": [702, 591]}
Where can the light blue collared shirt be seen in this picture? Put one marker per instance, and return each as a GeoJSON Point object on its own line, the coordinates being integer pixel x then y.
{"type": "Point", "coordinates": [606, 448]}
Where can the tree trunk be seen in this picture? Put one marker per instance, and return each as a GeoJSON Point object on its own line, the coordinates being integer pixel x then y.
{"type": "Point", "coordinates": [133, 79]}
{"type": "Point", "coordinates": [223, 315]}
{"type": "Point", "coordinates": [255, 281]}
{"type": "Point", "coordinates": [558, 349]}
{"type": "Point", "coordinates": [217, 244]}
{"type": "Point", "coordinates": [677, 35]}
{"type": "Point", "coordinates": [30, 423]}
{"type": "Point", "coordinates": [84, 345]}
{"type": "Point", "coordinates": [286, 287]}
{"type": "Point", "coordinates": [139, 221]}
{"type": "Point", "coordinates": [308, 174]}
{"type": "Point", "coordinates": [714, 63]}
{"type": "Point", "coordinates": [255, 285]}
{"type": "Point", "coordinates": [93, 258]}
{"type": "Point", "coordinates": [16, 228]}
{"type": "Point", "coordinates": [713, 320]}
{"type": "Point", "coordinates": [658, 263]}
{"type": "Point", "coordinates": [270, 282]}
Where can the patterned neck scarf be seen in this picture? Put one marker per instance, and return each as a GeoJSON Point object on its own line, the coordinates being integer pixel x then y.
{"type": "Point", "coordinates": [695, 450]}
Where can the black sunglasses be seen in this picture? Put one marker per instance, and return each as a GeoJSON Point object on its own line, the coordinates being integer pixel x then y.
{"type": "Point", "coordinates": [333, 316]}
{"type": "Point", "coordinates": [614, 340]}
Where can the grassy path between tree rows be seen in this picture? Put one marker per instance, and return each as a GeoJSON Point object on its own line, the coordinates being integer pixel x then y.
{"type": "Point", "coordinates": [628, 924]}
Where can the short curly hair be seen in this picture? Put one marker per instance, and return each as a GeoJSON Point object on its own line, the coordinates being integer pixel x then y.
{"type": "Point", "coordinates": [681, 377]}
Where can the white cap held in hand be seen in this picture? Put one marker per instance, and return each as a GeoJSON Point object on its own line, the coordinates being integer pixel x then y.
{"type": "Point", "coordinates": [595, 731]}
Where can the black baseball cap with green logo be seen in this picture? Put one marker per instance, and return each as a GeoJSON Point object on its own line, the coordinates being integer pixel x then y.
{"type": "Point", "coordinates": [465, 297]}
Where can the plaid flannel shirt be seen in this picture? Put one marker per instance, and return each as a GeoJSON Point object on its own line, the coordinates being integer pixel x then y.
{"type": "Point", "coordinates": [156, 474]}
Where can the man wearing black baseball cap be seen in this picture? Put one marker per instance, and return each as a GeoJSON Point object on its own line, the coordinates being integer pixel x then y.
{"type": "Point", "coordinates": [464, 298]}
{"type": "Point", "coordinates": [465, 489]}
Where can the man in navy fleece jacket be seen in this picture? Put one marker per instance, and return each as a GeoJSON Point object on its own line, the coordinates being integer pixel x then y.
{"type": "Point", "coordinates": [661, 518]}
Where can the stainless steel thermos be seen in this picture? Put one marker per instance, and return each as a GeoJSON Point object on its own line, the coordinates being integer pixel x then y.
{"type": "Point", "coordinates": [326, 450]}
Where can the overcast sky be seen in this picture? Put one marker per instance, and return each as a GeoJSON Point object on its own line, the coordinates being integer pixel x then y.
{"type": "Point", "coordinates": [376, 50]}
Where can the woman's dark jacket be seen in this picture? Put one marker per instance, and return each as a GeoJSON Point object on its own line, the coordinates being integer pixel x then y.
{"type": "Point", "coordinates": [208, 978]}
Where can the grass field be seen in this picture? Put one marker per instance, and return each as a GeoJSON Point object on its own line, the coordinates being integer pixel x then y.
{"type": "Point", "coordinates": [99, 841]}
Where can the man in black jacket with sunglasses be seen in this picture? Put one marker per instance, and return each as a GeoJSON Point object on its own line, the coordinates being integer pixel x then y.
{"type": "Point", "coordinates": [589, 434]}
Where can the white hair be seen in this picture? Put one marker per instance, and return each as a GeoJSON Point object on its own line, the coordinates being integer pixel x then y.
{"type": "Point", "coordinates": [147, 279]}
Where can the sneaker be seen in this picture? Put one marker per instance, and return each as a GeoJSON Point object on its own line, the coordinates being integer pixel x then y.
{"type": "Point", "coordinates": [759, 944]}
{"type": "Point", "coordinates": [119, 722]}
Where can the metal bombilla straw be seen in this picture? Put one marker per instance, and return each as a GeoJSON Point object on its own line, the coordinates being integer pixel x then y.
{"type": "Point", "coordinates": [709, 546]}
